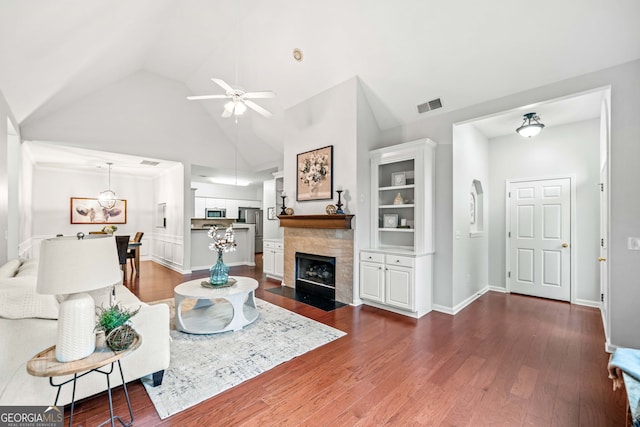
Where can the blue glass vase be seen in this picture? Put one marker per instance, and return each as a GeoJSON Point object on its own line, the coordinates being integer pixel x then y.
{"type": "Point", "coordinates": [219, 272]}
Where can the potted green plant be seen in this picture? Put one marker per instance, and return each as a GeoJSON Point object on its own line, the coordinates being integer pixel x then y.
{"type": "Point", "coordinates": [113, 321]}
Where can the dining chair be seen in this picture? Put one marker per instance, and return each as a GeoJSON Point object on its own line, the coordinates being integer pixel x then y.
{"type": "Point", "coordinates": [122, 244]}
{"type": "Point", "coordinates": [131, 253]}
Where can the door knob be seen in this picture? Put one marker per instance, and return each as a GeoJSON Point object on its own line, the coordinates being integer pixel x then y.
{"type": "Point", "coordinates": [565, 245]}
{"type": "Point", "coordinates": [601, 259]}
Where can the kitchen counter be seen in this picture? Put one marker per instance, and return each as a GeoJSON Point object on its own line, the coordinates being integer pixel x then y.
{"type": "Point", "coordinates": [205, 223]}
{"type": "Point", "coordinates": [202, 258]}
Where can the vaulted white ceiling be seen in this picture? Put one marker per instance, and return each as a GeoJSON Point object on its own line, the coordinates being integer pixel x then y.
{"type": "Point", "coordinates": [55, 54]}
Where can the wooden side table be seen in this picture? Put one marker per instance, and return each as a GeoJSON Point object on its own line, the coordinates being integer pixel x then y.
{"type": "Point", "coordinates": [45, 364]}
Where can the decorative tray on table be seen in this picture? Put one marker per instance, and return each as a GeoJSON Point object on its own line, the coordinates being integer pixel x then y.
{"type": "Point", "coordinates": [207, 284]}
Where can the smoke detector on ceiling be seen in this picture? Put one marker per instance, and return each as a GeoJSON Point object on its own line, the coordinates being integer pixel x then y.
{"type": "Point", "coordinates": [430, 105]}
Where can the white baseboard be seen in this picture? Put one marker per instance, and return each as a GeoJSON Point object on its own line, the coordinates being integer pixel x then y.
{"type": "Point", "coordinates": [442, 309]}
{"type": "Point", "coordinates": [500, 289]}
{"type": "Point", "coordinates": [172, 266]}
{"type": "Point", "coordinates": [588, 303]}
{"type": "Point", "coordinates": [460, 306]}
{"type": "Point", "coordinates": [610, 348]}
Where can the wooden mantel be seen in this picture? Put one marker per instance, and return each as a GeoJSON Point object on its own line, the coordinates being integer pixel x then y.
{"type": "Point", "coordinates": [339, 221]}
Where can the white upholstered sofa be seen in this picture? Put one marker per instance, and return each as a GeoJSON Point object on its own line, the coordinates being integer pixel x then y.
{"type": "Point", "coordinates": [28, 325]}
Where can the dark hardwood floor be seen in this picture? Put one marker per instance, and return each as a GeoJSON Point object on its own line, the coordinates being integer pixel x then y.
{"type": "Point", "coordinates": [506, 360]}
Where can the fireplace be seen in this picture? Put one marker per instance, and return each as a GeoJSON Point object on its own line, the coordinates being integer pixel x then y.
{"type": "Point", "coordinates": [316, 275]}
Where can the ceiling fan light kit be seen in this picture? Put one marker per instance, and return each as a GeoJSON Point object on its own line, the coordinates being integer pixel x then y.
{"type": "Point", "coordinates": [529, 129]}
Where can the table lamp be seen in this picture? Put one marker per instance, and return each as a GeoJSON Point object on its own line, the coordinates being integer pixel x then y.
{"type": "Point", "coordinates": [72, 267]}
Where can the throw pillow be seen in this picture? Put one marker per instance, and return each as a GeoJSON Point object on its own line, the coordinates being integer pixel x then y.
{"type": "Point", "coordinates": [19, 300]}
{"type": "Point", "coordinates": [10, 268]}
{"type": "Point", "coordinates": [29, 268]}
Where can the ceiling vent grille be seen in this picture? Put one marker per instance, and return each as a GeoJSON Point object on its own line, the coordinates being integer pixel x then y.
{"type": "Point", "coordinates": [149, 163]}
{"type": "Point", "coordinates": [430, 105]}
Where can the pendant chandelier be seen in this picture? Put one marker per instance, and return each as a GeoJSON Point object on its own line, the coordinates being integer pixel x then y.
{"type": "Point", "coordinates": [107, 198]}
{"type": "Point", "coordinates": [529, 129]}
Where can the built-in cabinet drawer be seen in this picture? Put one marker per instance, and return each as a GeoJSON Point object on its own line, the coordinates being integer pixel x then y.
{"type": "Point", "coordinates": [372, 256]}
{"type": "Point", "coordinates": [398, 260]}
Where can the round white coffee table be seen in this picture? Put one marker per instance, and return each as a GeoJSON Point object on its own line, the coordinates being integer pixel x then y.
{"type": "Point", "coordinates": [216, 310]}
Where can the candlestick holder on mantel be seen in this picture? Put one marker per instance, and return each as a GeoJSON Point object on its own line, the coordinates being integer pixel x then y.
{"type": "Point", "coordinates": [283, 211]}
{"type": "Point", "coordinates": [339, 204]}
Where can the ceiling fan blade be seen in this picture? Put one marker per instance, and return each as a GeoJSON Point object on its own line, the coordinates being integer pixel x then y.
{"type": "Point", "coordinates": [262, 94]}
{"type": "Point", "coordinates": [226, 113]}
{"type": "Point", "coordinates": [223, 84]}
{"type": "Point", "coordinates": [257, 108]}
{"type": "Point", "coordinates": [197, 97]}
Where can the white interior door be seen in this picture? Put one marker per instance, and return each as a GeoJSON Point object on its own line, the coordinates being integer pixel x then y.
{"type": "Point", "coordinates": [540, 236]}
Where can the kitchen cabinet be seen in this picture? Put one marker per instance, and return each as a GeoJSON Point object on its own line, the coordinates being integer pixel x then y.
{"type": "Point", "coordinates": [273, 258]}
{"type": "Point", "coordinates": [232, 208]}
{"type": "Point", "coordinates": [395, 273]}
{"type": "Point", "coordinates": [200, 206]}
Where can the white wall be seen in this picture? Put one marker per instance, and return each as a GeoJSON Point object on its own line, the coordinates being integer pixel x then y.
{"type": "Point", "coordinates": [4, 181]}
{"type": "Point", "coordinates": [53, 189]}
{"type": "Point", "coordinates": [271, 229]}
{"type": "Point", "coordinates": [169, 242]}
{"type": "Point", "coordinates": [13, 197]}
{"type": "Point", "coordinates": [367, 137]}
{"type": "Point", "coordinates": [571, 149]}
{"type": "Point", "coordinates": [328, 118]}
{"type": "Point", "coordinates": [25, 187]}
{"type": "Point", "coordinates": [221, 191]}
{"type": "Point", "coordinates": [470, 162]}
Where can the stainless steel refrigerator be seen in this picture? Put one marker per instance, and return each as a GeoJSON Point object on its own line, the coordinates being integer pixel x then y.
{"type": "Point", "coordinates": [253, 216]}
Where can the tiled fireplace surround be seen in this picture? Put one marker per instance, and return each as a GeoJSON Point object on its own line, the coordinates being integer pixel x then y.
{"type": "Point", "coordinates": [326, 242]}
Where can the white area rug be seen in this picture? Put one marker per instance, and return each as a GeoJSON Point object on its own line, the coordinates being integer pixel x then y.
{"type": "Point", "coordinates": [204, 365]}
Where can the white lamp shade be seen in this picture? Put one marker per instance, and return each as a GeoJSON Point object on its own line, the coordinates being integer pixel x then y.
{"type": "Point", "coordinates": [530, 130]}
{"type": "Point", "coordinates": [68, 265]}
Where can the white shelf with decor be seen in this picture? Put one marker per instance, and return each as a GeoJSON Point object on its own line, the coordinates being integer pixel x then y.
{"type": "Point", "coordinates": [395, 273]}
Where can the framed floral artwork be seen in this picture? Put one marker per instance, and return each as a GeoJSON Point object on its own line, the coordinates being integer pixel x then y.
{"type": "Point", "coordinates": [315, 175]}
{"type": "Point", "coordinates": [89, 211]}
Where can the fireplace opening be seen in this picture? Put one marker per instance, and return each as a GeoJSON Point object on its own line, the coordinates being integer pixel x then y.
{"type": "Point", "coordinates": [315, 282]}
{"type": "Point", "coordinates": [316, 275]}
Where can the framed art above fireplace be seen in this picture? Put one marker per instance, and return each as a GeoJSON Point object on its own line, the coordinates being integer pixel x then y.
{"type": "Point", "coordinates": [314, 178]}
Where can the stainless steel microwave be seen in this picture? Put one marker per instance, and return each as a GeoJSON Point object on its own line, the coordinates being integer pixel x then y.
{"type": "Point", "coordinates": [215, 213]}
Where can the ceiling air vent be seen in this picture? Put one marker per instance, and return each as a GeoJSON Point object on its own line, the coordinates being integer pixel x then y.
{"type": "Point", "coordinates": [430, 105]}
{"type": "Point", "coordinates": [149, 163]}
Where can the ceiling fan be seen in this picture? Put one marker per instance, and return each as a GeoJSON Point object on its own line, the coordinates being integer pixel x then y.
{"type": "Point", "coordinates": [239, 100]}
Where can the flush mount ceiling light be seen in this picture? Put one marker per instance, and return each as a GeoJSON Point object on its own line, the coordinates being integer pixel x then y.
{"type": "Point", "coordinates": [107, 198]}
{"type": "Point", "coordinates": [529, 129]}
